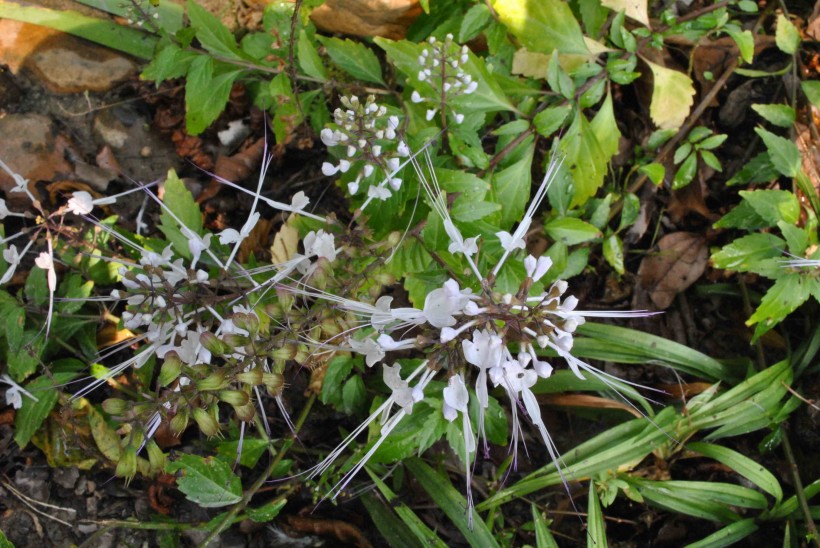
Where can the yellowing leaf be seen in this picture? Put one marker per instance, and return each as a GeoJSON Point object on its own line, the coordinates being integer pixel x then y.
{"type": "Point", "coordinates": [285, 244]}
{"type": "Point", "coordinates": [635, 9]}
{"type": "Point", "coordinates": [672, 97]}
{"type": "Point", "coordinates": [543, 26]}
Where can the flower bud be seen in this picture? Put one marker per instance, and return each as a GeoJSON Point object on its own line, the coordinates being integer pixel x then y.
{"type": "Point", "coordinates": [234, 397]}
{"type": "Point", "coordinates": [217, 380]}
{"type": "Point", "coordinates": [206, 422]}
{"type": "Point", "coordinates": [214, 345]}
{"type": "Point", "coordinates": [171, 369]}
{"type": "Point", "coordinates": [114, 406]}
{"type": "Point", "coordinates": [179, 422]}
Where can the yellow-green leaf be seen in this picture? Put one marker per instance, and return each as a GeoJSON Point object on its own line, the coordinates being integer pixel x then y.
{"type": "Point", "coordinates": [672, 96]}
{"type": "Point", "coordinates": [634, 9]}
{"type": "Point", "coordinates": [542, 26]}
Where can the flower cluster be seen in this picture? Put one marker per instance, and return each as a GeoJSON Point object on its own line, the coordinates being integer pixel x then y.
{"type": "Point", "coordinates": [371, 144]}
{"type": "Point", "coordinates": [442, 67]}
{"type": "Point", "coordinates": [482, 340]}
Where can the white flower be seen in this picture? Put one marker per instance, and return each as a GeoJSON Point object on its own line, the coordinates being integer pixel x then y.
{"type": "Point", "coordinates": [373, 352]}
{"type": "Point", "coordinates": [329, 138]}
{"type": "Point", "coordinates": [379, 192]}
{"type": "Point", "coordinates": [536, 268]}
{"type": "Point", "coordinates": [299, 202]}
{"type": "Point", "coordinates": [430, 113]}
{"type": "Point", "coordinates": [441, 303]}
{"type": "Point", "coordinates": [456, 398]}
{"type": "Point", "coordinates": [197, 244]}
{"type": "Point", "coordinates": [45, 262]}
{"type": "Point", "coordinates": [329, 169]}
{"type": "Point", "coordinates": [511, 242]}
{"type": "Point", "coordinates": [416, 97]}
{"type": "Point", "coordinates": [13, 259]}
{"type": "Point", "coordinates": [14, 395]}
{"type": "Point", "coordinates": [80, 203]}
{"type": "Point", "coordinates": [403, 396]}
{"type": "Point", "coordinates": [320, 244]}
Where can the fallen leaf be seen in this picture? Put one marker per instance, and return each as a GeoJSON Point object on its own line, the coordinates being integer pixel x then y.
{"type": "Point", "coordinates": [634, 9]}
{"type": "Point", "coordinates": [285, 245]}
{"type": "Point", "coordinates": [342, 531]}
{"type": "Point", "coordinates": [681, 259]}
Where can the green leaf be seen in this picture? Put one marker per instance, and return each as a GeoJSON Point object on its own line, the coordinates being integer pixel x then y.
{"type": "Point", "coordinates": [468, 211]}
{"type": "Point", "coordinates": [309, 60]}
{"type": "Point", "coordinates": [252, 450]}
{"type": "Point", "coordinates": [584, 158]}
{"type": "Point", "coordinates": [488, 96]}
{"type": "Point", "coordinates": [512, 187]}
{"type": "Point", "coordinates": [613, 249]}
{"type": "Point", "coordinates": [788, 292]}
{"type": "Point", "coordinates": [672, 96]}
{"type": "Point", "coordinates": [787, 37]}
{"type": "Point", "coordinates": [745, 41]}
{"type": "Point", "coordinates": [337, 371]}
{"type": "Point", "coordinates": [710, 160]}
{"type": "Point", "coordinates": [542, 27]}
{"type": "Point", "coordinates": [732, 533]}
{"type": "Point", "coordinates": [596, 528]}
{"type": "Point", "coordinates": [571, 231]}
{"type": "Point", "coordinates": [557, 78]}
{"type": "Point", "coordinates": [743, 465]}
{"type": "Point", "coordinates": [605, 128]}
{"type": "Point", "coordinates": [266, 512]}
{"type": "Point", "coordinates": [474, 21]}
{"type": "Point", "coordinates": [170, 62]}
{"type": "Point", "coordinates": [749, 252]}
{"type": "Point", "coordinates": [209, 482]}
{"type": "Point", "coordinates": [354, 58]}
{"type": "Point", "coordinates": [5, 542]}
{"type": "Point", "coordinates": [451, 503]}
{"type": "Point", "coordinates": [742, 216]}
{"type": "Point", "coordinates": [211, 33]}
{"type": "Point", "coordinates": [654, 171]}
{"type": "Point", "coordinates": [784, 154]}
{"type": "Point", "coordinates": [180, 202]}
{"type": "Point", "coordinates": [206, 92]}
{"type": "Point", "coordinates": [635, 9]}
{"type": "Point", "coordinates": [353, 394]}
{"type": "Point", "coordinates": [549, 120]}
{"type": "Point", "coordinates": [812, 90]}
{"type": "Point", "coordinates": [543, 536]}
{"type": "Point", "coordinates": [36, 288]}
{"type": "Point", "coordinates": [779, 115]}
{"type": "Point", "coordinates": [686, 172]}
{"type": "Point", "coordinates": [773, 205]}
{"type": "Point", "coordinates": [28, 418]}
{"type": "Point", "coordinates": [712, 142]}
{"type": "Point", "coordinates": [757, 170]}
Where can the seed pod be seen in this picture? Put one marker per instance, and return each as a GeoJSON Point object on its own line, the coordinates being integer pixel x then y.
{"type": "Point", "coordinates": [252, 377]}
{"type": "Point", "coordinates": [171, 368]}
{"type": "Point", "coordinates": [216, 380]}
{"type": "Point", "coordinates": [246, 412]}
{"type": "Point", "coordinates": [114, 406]}
{"type": "Point", "coordinates": [207, 424]}
{"type": "Point", "coordinates": [155, 456]}
{"type": "Point", "coordinates": [274, 382]}
{"type": "Point", "coordinates": [287, 352]}
{"type": "Point", "coordinates": [179, 422]}
{"type": "Point", "coordinates": [235, 341]}
{"type": "Point", "coordinates": [215, 345]}
{"type": "Point", "coordinates": [234, 397]}
{"type": "Point", "coordinates": [330, 328]}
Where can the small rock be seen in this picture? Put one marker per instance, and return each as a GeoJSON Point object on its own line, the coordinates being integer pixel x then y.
{"type": "Point", "coordinates": [388, 18]}
{"type": "Point", "coordinates": [33, 483]}
{"type": "Point", "coordinates": [29, 147]}
{"type": "Point", "coordinates": [66, 477]}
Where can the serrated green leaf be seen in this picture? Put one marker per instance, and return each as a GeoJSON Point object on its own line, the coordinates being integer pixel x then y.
{"type": "Point", "coordinates": [512, 187]}
{"type": "Point", "coordinates": [748, 252]}
{"type": "Point", "coordinates": [571, 231]}
{"type": "Point", "coordinates": [309, 60]}
{"type": "Point", "coordinates": [788, 292]}
{"type": "Point", "coordinates": [337, 371]}
{"type": "Point", "coordinates": [28, 418]}
{"type": "Point", "coordinates": [170, 62]}
{"type": "Point", "coordinates": [787, 37]}
{"type": "Point", "coordinates": [206, 92]}
{"type": "Point", "coordinates": [557, 78]}
{"type": "Point", "coordinates": [542, 27]}
{"type": "Point", "coordinates": [36, 288]}
{"type": "Point", "coordinates": [180, 202]}
{"type": "Point", "coordinates": [209, 482]}
{"type": "Point", "coordinates": [745, 42]}
{"type": "Point", "coordinates": [779, 115]}
{"type": "Point", "coordinates": [550, 119]}
{"type": "Point", "coordinates": [672, 96]}
{"type": "Point", "coordinates": [773, 205]}
{"type": "Point", "coordinates": [584, 159]}
{"type": "Point", "coordinates": [252, 450]}
{"type": "Point", "coordinates": [354, 58]}
{"type": "Point", "coordinates": [605, 128]}
{"type": "Point", "coordinates": [784, 154]}
{"type": "Point", "coordinates": [266, 512]}
{"type": "Point", "coordinates": [468, 210]}
{"type": "Point", "coordinates": [211, 33]}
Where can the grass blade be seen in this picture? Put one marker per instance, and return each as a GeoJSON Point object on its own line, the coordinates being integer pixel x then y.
{"type": "Point", "coordinates": [596, 528]}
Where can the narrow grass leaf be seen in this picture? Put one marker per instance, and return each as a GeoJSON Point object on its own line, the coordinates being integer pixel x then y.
{"type": "Point", "coordinates": [727, 536]}
{"type": "Point", "coordinates": [451, 503]}
{"type": "Point", "coordinates": [596, 528]}
{"type": "Point", "coordinates": [741, 464]}
{"type": "Point", "coordinates": [543, 536]}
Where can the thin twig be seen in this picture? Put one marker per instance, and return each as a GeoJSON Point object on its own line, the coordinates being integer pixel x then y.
{"type": "Point", "coordinates": [798, 487]}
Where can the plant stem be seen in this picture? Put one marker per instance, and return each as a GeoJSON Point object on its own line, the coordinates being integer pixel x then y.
{"type": "Point", "coordinates": [227, 520]}
{"type": "Point", "coordinates": [798, 487]}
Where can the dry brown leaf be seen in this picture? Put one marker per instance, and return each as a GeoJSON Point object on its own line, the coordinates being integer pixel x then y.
{"type": "Point", "coordinates": [681, 259]}
{"type": "Point", "coordinates": [285, 244]}
{"type": "Point", "coordinates": [585, 400]}
{"type": "Point", "coordinates": [342, 531]}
